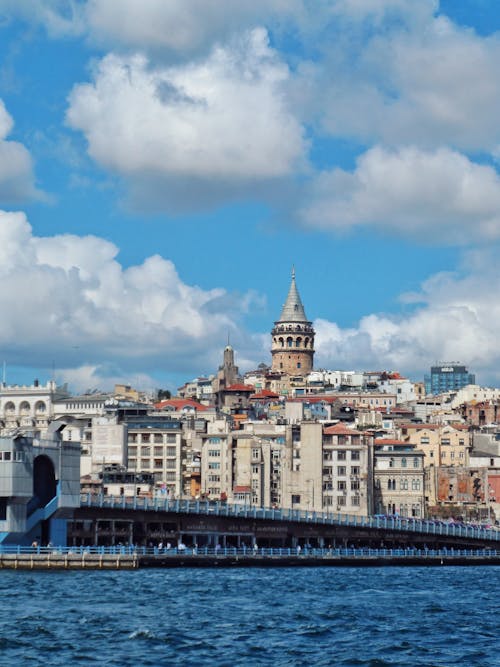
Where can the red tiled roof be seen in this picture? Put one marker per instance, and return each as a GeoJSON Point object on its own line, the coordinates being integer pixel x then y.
{"type": "Point", "coordinates": [421, 427]}
{"type": "Point", "coordinates": [242, 489]}
{"type": "Point", "coordinates": [340, 429]}
{"type": "Point", "coordinates": [240, 387]}
{"type": "Point", "coordinates": [265, 393]}
{"type": "Point", "coordinates": [180, 403]}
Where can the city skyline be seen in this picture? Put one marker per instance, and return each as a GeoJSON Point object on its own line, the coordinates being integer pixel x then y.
{"type": "Point", "coordinates": [162, 170]}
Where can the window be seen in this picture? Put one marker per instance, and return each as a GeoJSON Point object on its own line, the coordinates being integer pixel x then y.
{"type": "Point", "coordinates": [158, 451]}
{"type": "Point", "coordinates": [214, 478]}
{"type": "Point", "coordinates": [403, 463]}
{"type": "Point", "coordinates": [355, 485]}
{"type": "Point", "coordinates": [145, 437]}
{"type": "Point", "coordinates": [171, 437]}
{"type": "Point", "coordinates": [171, 451]}
{"type": "Point", "coordinates": [158, 463]}
{"type": "Point", "coordinates": [214, 452]}
{"type": "Point", "coordinates": [403, 484]}
{"type": "Point", "coordinates": [171, 464]}
{"type": "Point", "coordinates": [170, 477]}
{"type": "Point", "coordinates": [341, 486]}
{"type": "Point", "coordinates": [255, 470]}
{"type": "Point", "coordinates": [214, 465]}
{"type": "Point", "coordinates": [341, 456]}
{"type": "Point", "coordinates": [445, 441]}
{"type": "Point", "coordinates": [424, 441]}
{"type": "Point", "coordinates": [158, 437]}
{"type": "Point", "coordinates": [256, 454]}
{"type": "Point", "coordinates": [341, 470]}
{"type": "Point", "coordinates": [295, 499]}
{"type": "Point", "coordinates": [355, 455]}
{"type": "Point", "coordinates": [145, 451]}
{"type": "Point", "coordinates": [341, 500]}
{"type": "Point", "coordinates": [415, 484]}
{"type": "Point", "coordinates": [354, 470]}
{"type": "Point", "coordinates": [214, 441]}
{"type": "Point", "coordinates": [355, 500]}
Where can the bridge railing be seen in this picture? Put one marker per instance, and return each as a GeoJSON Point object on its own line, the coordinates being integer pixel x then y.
{"type": "Point", "coordinates": [272, 552]}
{"type": "Point", "coordinates": [401, 524]}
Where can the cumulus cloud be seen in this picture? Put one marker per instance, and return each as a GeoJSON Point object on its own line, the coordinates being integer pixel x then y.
{"type": "Point", "coordinates": [398, 72]}
{"type": "Point", "coordinates": [16, 167]}
{"type": "Point", "coordinates": [432, 196]}
{"type": "Point", "coordinates": [458, 318]}
{"type": "Point", "coordinates": [179, 26]}
{"type": "Point", "coordinates": [223, 119]}
{"type": "Point", "coordinates": [66, 298]}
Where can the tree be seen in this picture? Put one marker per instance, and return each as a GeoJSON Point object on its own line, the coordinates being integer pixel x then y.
{"type": "Point", "coordinates": [164, 394]}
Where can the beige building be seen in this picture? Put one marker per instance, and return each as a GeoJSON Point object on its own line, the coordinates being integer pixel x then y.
{"type": "Point", "coordinates": [442, 446]}
{"type": "Point", "coordinates": [328, 469]}
{"type": "Point", "coordinates": [398, 478]}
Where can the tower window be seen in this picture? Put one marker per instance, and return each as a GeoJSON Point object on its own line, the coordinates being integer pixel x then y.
{"type": "Point", "coordinates": [289, 342]}
{"type": "Point", "coordinates": [299, 365]}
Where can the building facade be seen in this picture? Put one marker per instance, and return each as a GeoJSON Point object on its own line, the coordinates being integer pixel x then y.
{"type": "Point", "coordinates": [448, 376]}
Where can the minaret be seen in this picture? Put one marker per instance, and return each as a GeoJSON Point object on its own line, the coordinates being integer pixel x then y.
{"type": "Point", "coordinates": [292, 345]}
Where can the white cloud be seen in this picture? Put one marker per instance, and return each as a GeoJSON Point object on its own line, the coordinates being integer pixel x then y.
{"type": "Point", "coordinates": [66, 298]}
{"type": "Point", "coordinates": [459, 320]}
{"type": "Point", "coordinates": [223, 119]}
{"type": "Point", "coordinates": [16, 168]}
{"type": "Point", "coordinates": [179, 26]}
{"type": "Point", "coordinates": [432, 196]}
{"type": "Point", "coordinates": [402, 74]}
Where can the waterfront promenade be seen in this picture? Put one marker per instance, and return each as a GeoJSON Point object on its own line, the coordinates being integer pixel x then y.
{"type": "Point", "coordinates": [121, 557]}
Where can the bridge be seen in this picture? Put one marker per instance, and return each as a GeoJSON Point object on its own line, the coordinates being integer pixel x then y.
{"type": "Point", "coordinates": [140, 521]}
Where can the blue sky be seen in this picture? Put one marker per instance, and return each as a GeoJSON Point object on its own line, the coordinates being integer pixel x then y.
{"type": "Point", "coordinates": [163, 165]}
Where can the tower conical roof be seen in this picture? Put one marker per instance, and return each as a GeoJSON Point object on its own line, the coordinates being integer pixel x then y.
{"type": "Point", "coordinates": [293, 310]}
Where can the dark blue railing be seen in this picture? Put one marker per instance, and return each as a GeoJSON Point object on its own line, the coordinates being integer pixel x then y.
{"type": "Point", "coordinates": [273, 552]}
{"type": "Point", "coordinates": [425, 526]}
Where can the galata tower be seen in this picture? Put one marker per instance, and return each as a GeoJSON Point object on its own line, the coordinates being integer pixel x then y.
{"type": "Point", "coordinates": [292, 345]}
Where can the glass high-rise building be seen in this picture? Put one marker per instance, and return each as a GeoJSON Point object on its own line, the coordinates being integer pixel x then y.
{"type": "Point", "coordinates": [448, 376]}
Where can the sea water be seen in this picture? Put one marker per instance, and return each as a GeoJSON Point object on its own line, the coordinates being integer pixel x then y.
{"type": "Point", "coordinates": [266, 616]}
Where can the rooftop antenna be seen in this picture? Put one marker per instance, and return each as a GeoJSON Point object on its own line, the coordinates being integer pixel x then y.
{"type": "Point", "coordinates": [228, 339]}
{"type": "Point", "coordinates": [293, 271]}
{"type": "Point", "coordinates": [4, 374]}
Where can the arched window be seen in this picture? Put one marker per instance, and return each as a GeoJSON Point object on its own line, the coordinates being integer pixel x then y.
{"type": "Point", "coordinates": [40, 406]}
{"type": "Point", "coordinates": [289, 341]}
{"type": "Point", "coordinates": [403, 463]}
{"type": "Point", "coordinates": [282, 342]}
{"type": "Point", "coordinates": [306, 342]}
{"type": "Point", "coordinates": [24, 408]}
{"type": "Point", "coordinates": [10, 408]}
{"type": "Point", "coordinates": [298, 342]}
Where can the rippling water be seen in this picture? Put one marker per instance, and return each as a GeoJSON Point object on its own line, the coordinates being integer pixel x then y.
{"type": "Point", "coordinates": [304, 616]}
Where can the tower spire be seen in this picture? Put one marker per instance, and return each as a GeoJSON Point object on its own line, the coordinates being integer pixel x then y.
{"type": "Point", "coordinates": [293, 310]}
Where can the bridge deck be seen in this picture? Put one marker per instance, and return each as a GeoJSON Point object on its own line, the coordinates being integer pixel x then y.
{"type": "Point", "coordinates": [206, 508]}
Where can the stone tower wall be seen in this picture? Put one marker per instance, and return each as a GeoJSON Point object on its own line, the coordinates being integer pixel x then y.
{"type": "Point", "coordinates": [292, 348]}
